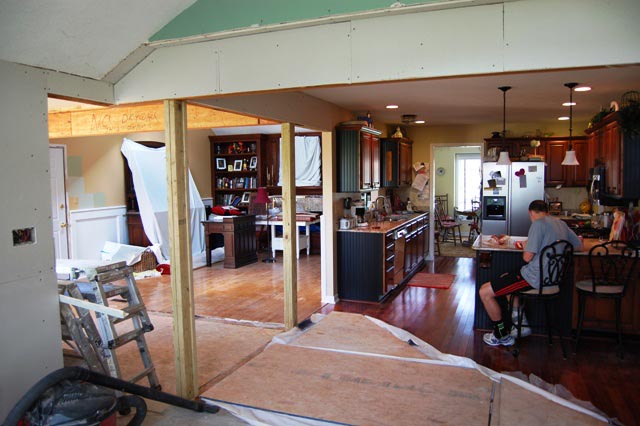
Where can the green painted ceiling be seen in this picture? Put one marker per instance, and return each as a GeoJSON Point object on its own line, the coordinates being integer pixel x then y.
{"type": "Point", "coordinates": [212, 16]}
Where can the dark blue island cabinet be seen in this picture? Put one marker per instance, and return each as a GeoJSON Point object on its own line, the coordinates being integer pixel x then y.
{"type": "Point", "coordinates": [491, 261]}
{"type": "Point", "coordinates": [374, 261]}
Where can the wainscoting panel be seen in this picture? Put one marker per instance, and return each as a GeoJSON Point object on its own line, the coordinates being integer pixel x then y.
{"type": "Point", "coordinates": [90, 228]}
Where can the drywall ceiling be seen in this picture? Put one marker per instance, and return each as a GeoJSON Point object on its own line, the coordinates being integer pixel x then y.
{"type": "Point", "coordinates": [88, 38]}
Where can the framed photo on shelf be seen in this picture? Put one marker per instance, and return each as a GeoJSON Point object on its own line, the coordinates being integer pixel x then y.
{"type": "Point", "coordinates": [253, 163]}
{"type": "Point", "coordinates": [221, 164]}
{"type": "Point", "coordinates": [237, 165]}
{"type": "Point", "coordinates": [245, 197]}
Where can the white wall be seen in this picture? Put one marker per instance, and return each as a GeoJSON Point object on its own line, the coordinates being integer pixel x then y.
{"type": "Point", "coordinates": [491, 38]}
{"type": "Point", "coordinates": [29, 318]}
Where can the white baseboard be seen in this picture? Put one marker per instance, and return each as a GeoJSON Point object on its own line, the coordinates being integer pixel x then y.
{"type": "Point", "coordinates": [90, 228]}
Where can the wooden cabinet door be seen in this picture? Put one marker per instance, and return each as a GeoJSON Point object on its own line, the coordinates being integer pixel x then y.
{"type": "Point", "coordinates": [375, 161]}
{"type": "Point", "coordinates": [405, 163]}
{"type": "Point", "coordinates": [554, 154]}
{"type": "Point", "coordinates": [365, 160]}
{"type": "Point", "coordinates": [389, 163]}
{"type": "Point", "coordinates": [580, 173]}
{"type": "Point", "coordinates": [611, 153]}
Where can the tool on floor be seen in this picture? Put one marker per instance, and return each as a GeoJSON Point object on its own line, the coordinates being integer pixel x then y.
{"type": "Point", "coordinates": [68, 396]}
{"type": "Point", "coordinates": [99, 290]}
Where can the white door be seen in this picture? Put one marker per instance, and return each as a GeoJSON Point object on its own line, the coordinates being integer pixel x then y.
{"type": "Point", "coordinates": [59, 201]}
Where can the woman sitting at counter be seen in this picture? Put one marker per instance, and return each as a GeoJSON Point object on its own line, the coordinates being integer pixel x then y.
{"type": "Point", "coordinates": [544, 230]}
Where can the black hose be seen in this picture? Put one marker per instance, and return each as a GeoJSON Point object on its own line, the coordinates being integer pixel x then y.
{"type": "Point", "coordinates": [128, 401]}
{"type": "Point", "coordinates": [78, 373]}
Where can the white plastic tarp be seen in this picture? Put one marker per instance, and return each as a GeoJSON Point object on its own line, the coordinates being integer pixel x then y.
{"type": "Point", "coordinates": [149, 173]}
{"type": "Point", "coordinates": [308, 164]}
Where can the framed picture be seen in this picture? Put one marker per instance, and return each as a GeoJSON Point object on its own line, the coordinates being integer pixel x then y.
{"type": "Point", "coordinates": [245, 197]}
{"type": "Point", "coordinates": [221, 164]}
{"type": "Point", "coordinates": [253, 163]}
{"type": "Point", "coordinates": [237, 166]}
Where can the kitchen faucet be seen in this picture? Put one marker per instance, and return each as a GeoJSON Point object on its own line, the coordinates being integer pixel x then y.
{"type": "Point", "coordinates": [385, 205]}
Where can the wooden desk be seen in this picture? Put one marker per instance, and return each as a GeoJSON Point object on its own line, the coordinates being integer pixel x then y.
{"type": "Point", "coordinates": [301, 243]}
{"type": "Point", "coordinates": [239, 234]}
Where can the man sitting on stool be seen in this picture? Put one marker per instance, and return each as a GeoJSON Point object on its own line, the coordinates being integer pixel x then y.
{"type": "Point", "coordinates": [544, 230]}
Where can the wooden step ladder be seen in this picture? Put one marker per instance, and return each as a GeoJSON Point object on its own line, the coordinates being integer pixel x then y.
{"type": "Point", "coordinates": [101, 289]}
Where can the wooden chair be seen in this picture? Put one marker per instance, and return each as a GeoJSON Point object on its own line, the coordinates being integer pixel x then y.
{"type": "Point", "coordinates": [446, 225]}
{"type": "Point", "coordinates": [474, 228]}
{"type": "Point", "coordinates": [555, 264]}
{"type": "Point", "coordinates": [612, 265]}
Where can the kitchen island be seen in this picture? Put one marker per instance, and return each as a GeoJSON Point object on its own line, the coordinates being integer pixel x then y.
{"type": "Point", "coordinates": [374, 260]}
{"type": "Point", "coordinates": [492, 259]}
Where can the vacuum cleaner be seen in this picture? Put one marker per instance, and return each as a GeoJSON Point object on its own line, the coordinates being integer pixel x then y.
{"type": "Point", "coordinates": [77, 396]}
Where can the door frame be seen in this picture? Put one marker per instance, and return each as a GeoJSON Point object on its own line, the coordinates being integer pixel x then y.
{"type": "Point", "coordinates": [66, 192]}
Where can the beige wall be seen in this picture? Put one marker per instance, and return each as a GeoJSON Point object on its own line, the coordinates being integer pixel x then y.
{"type": "Point", "coordinates": [95, 175]}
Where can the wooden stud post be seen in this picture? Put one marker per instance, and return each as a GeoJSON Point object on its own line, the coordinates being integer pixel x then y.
{"type": "Point", "coordinates": [184, 331]}
{"type": "Point", "coordinates": [289, 228]}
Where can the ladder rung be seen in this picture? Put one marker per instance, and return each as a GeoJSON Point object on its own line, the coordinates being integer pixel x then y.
{"type": "Point", "coordinates": [111, 267]}
{"type": "Point", "coordinates": [130, 312]}
{"type": "Point", "coordinates": [114, 290]}
{"type": "Point", "coordinates": [115, 275]}
{"type": "Point", "coordinates": [144, 373]}
{"type": "Point", "coordinates": [126, 338]}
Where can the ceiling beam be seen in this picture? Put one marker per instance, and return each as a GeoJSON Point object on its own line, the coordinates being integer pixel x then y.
{"type": "Point", "coordinates": [139, 118]}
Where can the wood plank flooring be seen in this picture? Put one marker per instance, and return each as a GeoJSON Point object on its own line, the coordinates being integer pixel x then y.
{"type": "Point", "coordinates": [443, 318]}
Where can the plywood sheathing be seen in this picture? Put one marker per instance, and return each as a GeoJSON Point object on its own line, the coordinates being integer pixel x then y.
{"type": "Point", "coordinates": [357, 389]}
{"type": "Point", "coordinates": [519, 406]}
{"type": "Point", "coordinates": [355, 333]}
{"type": "Point", "coordinates": [221, 349]}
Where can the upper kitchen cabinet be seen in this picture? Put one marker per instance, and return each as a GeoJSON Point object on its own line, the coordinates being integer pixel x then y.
{"type": "Point", "coordinates": [358, 158]}
{"type": "Point", "coordinates": [516, 147]}
{"type": "Point", "coordinates": [405, 148]}
{"type": "Point", "coordinates": [557, 174]}
{"type": "Point", "coordinates": [619, 151]}
{"type": "Point", "coordinates": [389, 162]}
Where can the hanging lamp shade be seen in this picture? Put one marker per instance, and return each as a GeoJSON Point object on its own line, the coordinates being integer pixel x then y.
{"type": "Point", "coordinates": [504, 159]}
{"type": "Point", "coordinates": [570, 159]}
{"type": "Point", "coordinates": [570, 156]}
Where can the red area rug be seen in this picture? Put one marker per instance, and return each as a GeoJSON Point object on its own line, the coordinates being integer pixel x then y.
{"type": "Point", "coordinates": [425, 279]}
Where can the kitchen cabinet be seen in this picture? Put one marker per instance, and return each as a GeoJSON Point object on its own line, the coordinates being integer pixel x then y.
{"type": "Point", "coordinates": [389, 162]}
{"type": "Point", "coordinates": [371, 264]}
{"type": "Point", "coordinates": [357, 158]}
{"type": "Point", "coordinates": [516, 147]}
{"type": "Point", "coordinates": [619, 152]}
{"type": "Point", "coordinates": [557, 174]}
{"type": "Point", "coordinates": [405, 151]}
{"type": "Point", "coordinates": [236, 168]}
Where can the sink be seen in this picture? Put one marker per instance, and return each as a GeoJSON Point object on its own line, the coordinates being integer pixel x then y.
{"type": "Point", "coordinates": [397, 217]}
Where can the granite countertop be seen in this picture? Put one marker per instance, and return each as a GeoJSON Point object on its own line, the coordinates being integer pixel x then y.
{"type": "Point", "coordinates": [384, 226]}
{"type": "Point", "coordinates": [485, 243]}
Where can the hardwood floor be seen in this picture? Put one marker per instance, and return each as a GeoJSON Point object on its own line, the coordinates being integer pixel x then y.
{"type": "Point", "coordinates": [443, 318]}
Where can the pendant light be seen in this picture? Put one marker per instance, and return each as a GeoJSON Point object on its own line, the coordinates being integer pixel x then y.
{"type": "Point", "coordinates": [570, 156]}
{"type": "Point", "coordinates": [504, 159]}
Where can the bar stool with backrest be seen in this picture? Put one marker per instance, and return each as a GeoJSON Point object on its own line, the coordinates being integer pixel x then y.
{"type": "Point", "coordinates": [555, 263]}
{"type": "Point", "coordinates": [612, 265]}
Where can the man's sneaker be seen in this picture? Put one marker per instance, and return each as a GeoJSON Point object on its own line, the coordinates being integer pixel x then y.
{"type": "Point", "coordinates": [524, 331]}
{"type": "Point", "coordinates": [491, 340]}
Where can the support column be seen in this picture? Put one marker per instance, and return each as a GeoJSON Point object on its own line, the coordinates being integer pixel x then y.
{"type": "Point", "coordinates": [289, 228]}
{"type": "Point", "coordinates": [329, 220]}
{"type": "Point", "coordinates": [184, 335]}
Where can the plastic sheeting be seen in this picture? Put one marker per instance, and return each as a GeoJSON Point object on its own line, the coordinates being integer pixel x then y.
{"type": "Point", "coordinates": [308, 164]}
{"type": "Point", "coordinates": [149, 172]}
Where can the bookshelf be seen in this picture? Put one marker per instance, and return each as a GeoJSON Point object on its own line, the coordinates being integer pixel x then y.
{"type": "Point", "coordinates": [236, 170]}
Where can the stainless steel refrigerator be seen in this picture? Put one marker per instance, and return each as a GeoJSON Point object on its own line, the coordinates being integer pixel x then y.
{"type": "Point", "coordinates": [506, 194]}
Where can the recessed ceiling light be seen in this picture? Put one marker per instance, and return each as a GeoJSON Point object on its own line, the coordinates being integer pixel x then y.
{"type": "Point", "coordinates": [569, 104]}
{"type": "Point", "coordinates": [563, 118]}
{"type": "Point", "coordinates": [419, 122]}
{"type": "Point", "coordinates": [392, 106]}
{"type": "Point", "coordinates": [582, 89]}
